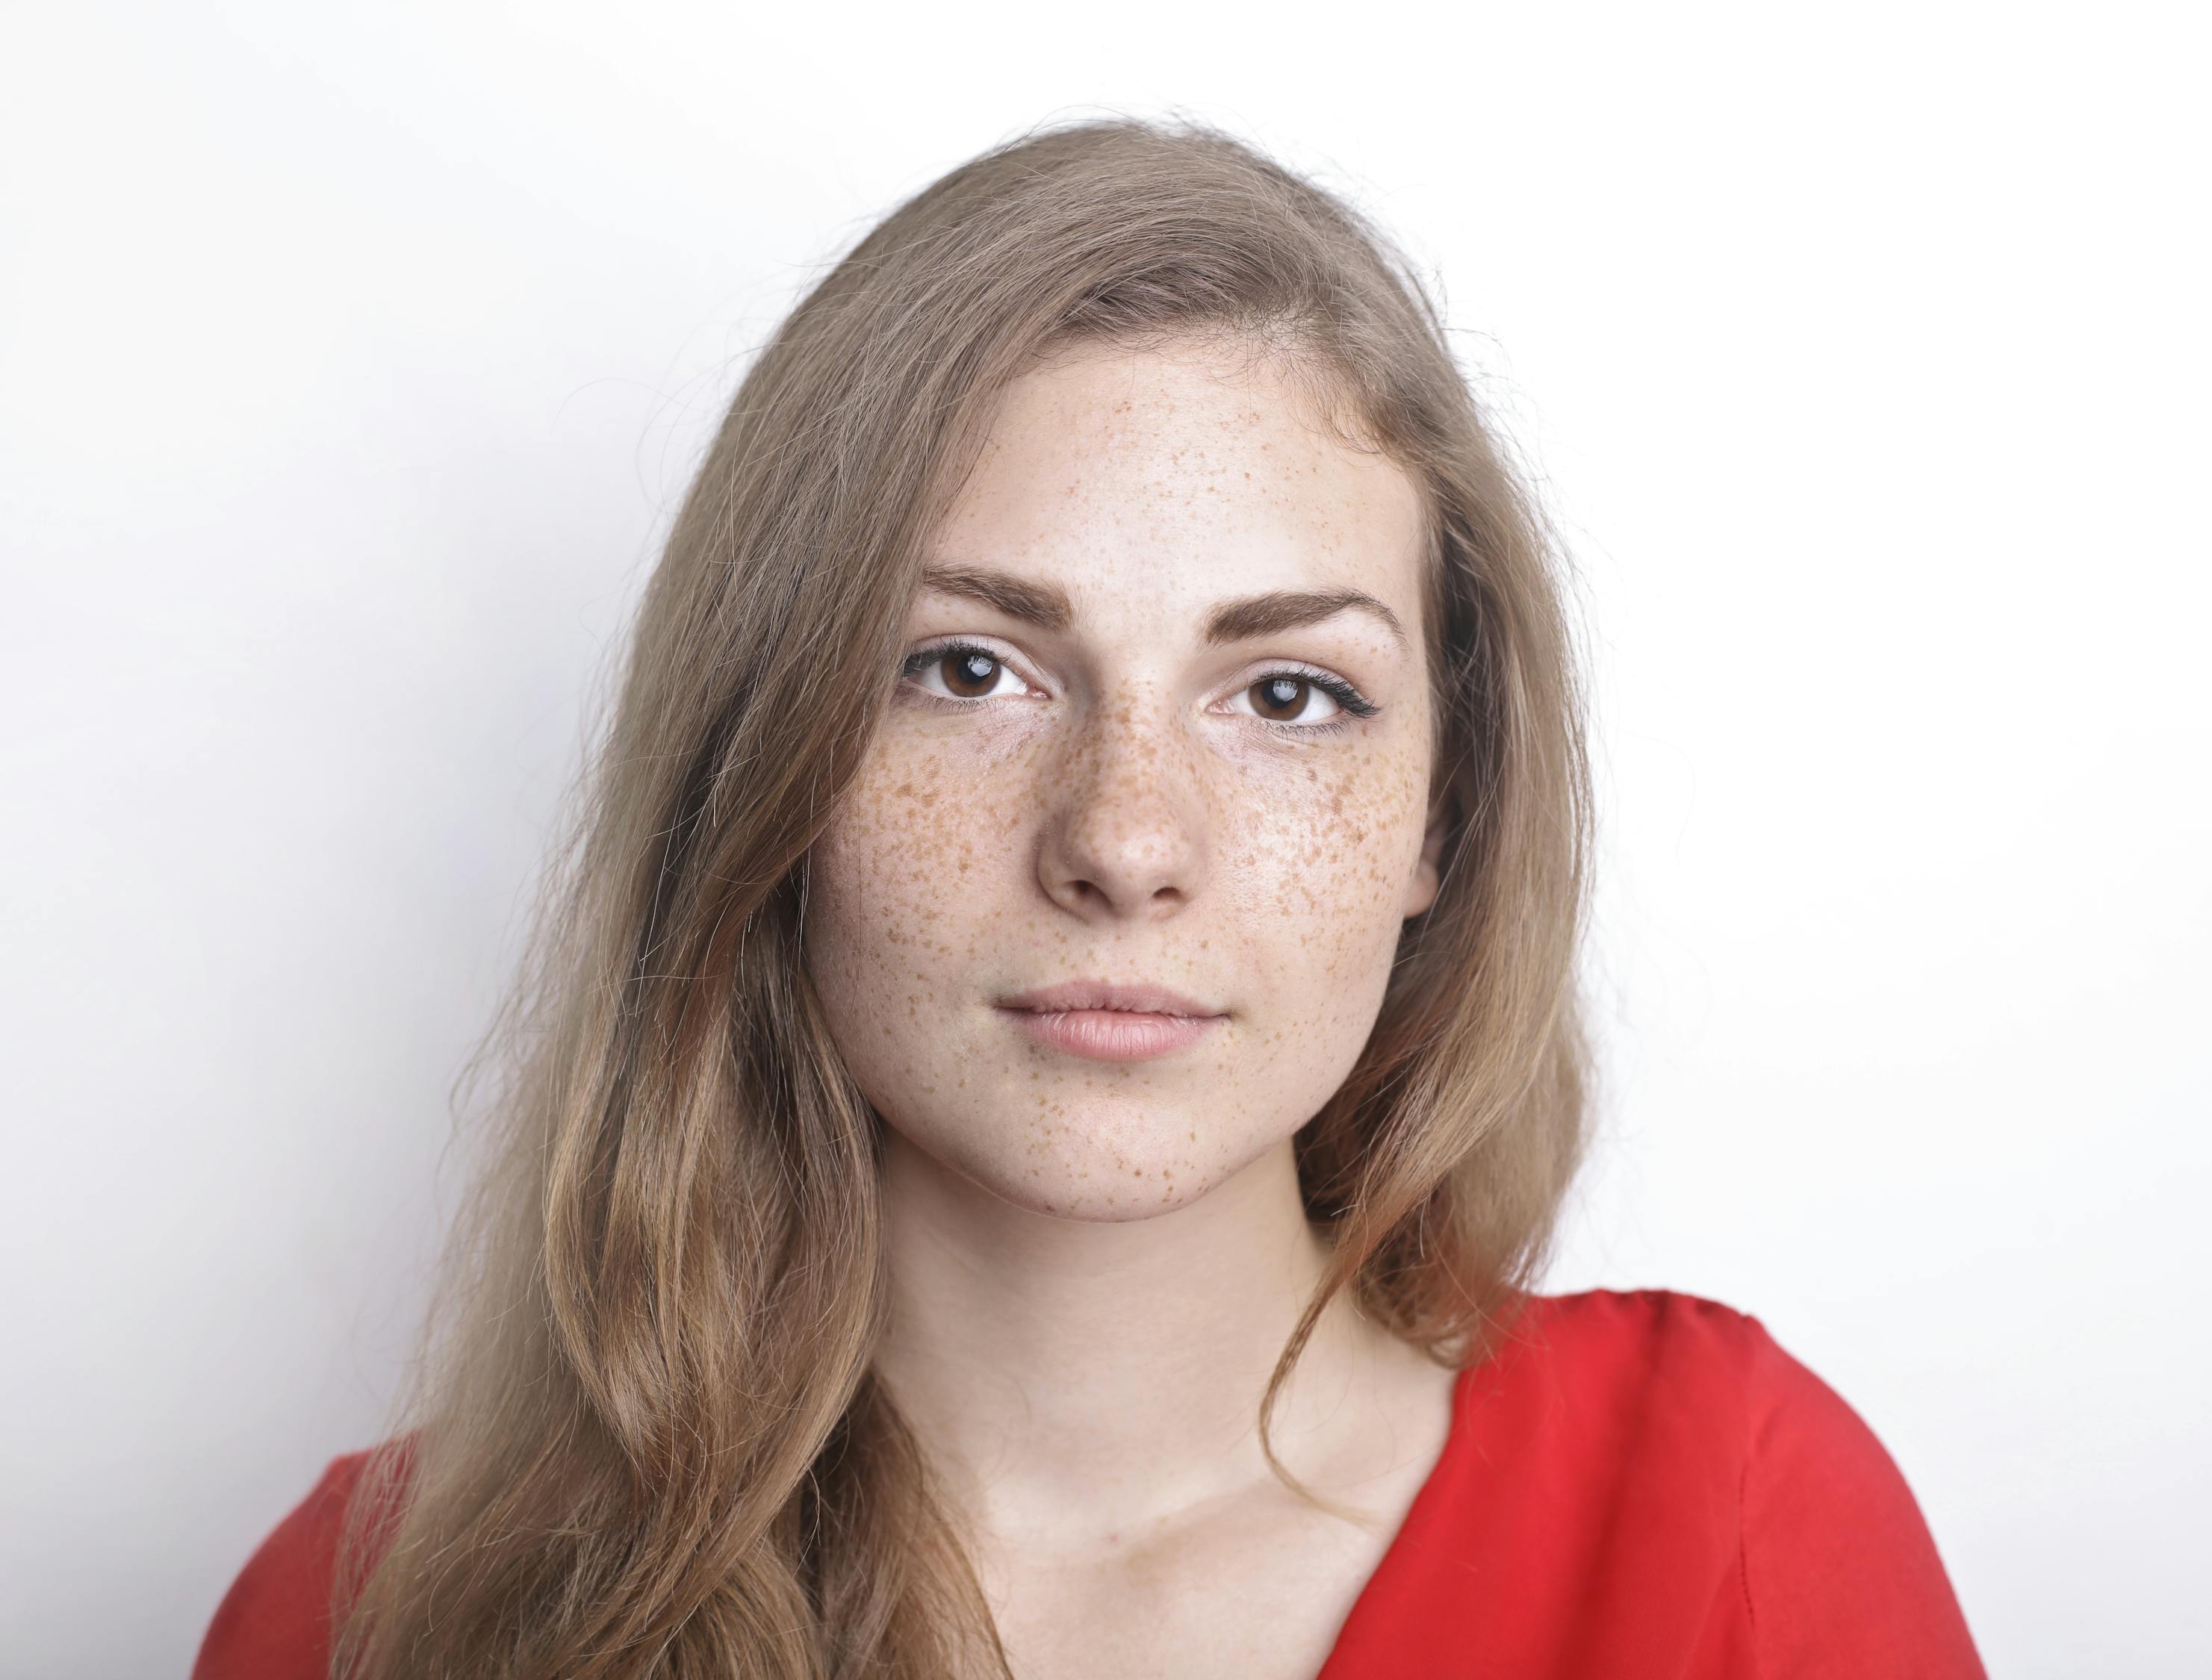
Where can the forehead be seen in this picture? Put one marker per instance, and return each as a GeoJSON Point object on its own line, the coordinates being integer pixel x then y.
{"type": "Point", "coordinates": [1175, 477]}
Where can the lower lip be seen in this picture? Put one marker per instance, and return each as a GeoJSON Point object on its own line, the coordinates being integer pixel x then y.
{"type": "Point", "coordinates": [1114, 1035]}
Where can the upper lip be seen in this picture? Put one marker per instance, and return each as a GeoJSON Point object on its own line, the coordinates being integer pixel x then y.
{"type": "Point", "coordinates": [1102, 995]}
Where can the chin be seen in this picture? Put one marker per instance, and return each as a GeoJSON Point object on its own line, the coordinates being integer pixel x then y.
{"type": "Point", "coordinates": [1098, 1162]}
{"type": "Point", "coordinates": [1090, 1202]}
{"type": "Point", "coordinates": [1090, 1180]}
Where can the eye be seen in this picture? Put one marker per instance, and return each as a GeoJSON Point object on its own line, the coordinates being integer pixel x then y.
{"type": "Point", "coordinates": [967, 671]}
{"type": "Point", "coordinates": [1287, 700]}
{"type": "Point", "coordinates": [1287, 697]}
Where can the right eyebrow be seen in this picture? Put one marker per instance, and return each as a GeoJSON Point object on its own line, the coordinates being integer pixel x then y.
{"type": "Point", "coordinates": [1045, 605]}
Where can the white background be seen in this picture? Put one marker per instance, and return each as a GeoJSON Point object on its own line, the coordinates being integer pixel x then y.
{"type": "Point", "coordinates": [353, 361]}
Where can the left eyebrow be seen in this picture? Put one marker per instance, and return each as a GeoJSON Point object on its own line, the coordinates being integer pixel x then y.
{"type": "Point", "coordinates": [1251, 616]}
{"type": "Point", "coordinates": [1048, 605]}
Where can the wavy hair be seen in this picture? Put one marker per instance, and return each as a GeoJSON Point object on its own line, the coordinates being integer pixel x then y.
{"type": "Point", "coordinates": [645, 1440]}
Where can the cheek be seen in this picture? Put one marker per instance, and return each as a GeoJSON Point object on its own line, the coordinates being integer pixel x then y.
{"type": "Point", "coordinates": [898, 880]}
{"type": "Point", "coordinates": [866, 897]}
{"type": "Point", "coordinates": [1331, 855]}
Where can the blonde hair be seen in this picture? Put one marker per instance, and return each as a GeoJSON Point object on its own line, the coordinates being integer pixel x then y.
{"type": "Point", "coordinates": [648, 1443]}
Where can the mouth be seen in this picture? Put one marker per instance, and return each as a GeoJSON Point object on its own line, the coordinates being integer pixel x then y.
{"type": "Point", "coordinates": [1138, 999]}
{"type": "Point", "coordinates": [1111, 1023]}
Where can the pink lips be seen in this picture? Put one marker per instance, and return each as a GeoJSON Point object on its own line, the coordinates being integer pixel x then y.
{"type": "Point", "coordinates": [1111, 1023]}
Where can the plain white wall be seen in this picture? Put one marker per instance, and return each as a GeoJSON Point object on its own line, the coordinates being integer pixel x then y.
{"type": "Point", "coordinates": [351, 362]}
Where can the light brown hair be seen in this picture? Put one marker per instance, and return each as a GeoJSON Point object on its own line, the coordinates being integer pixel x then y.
{"type": "Point", "coordinates": [647, 1441]}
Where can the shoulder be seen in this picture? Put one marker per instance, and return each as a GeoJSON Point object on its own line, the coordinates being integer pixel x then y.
{"type": "Point", "coordinates": [1672, 1374]}
{"type": "Point", "coordinates": [1840, 1572]}
{"type": "Point", "coordinates": [1662, 1349]}
{"type": "Point", "coordinates": [1649, 1388]}
{"type": "Point", "coordinates": [1632, 1336]}
{"type": "Point", "coordinates": [274, 1622]}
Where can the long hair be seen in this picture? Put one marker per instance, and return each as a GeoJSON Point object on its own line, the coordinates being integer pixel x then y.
{"type": "Point", "coordinates": [647, 1441]}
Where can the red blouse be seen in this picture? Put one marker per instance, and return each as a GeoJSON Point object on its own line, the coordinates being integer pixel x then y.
{"type": "Point", "coordinates": [1638, 1483]}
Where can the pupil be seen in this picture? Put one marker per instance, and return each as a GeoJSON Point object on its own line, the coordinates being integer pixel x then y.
{"type": "Point", "coordinates": [1284, 691]}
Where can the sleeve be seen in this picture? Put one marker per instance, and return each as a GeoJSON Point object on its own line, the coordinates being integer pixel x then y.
{"type": "Point", "coordinates": [1841, 1572]}
{"type": "Point", "coordinates": [274, 1624]}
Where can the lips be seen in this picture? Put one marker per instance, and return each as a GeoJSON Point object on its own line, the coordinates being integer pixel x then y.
{"type": "Point", "coordinates": [1138, 999]}
{"type": "Point", "coordinates": [1111, 1023]}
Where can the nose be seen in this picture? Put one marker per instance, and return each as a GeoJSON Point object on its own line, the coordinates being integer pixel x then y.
{"type": "Point", "coordinates": [1125, 839]}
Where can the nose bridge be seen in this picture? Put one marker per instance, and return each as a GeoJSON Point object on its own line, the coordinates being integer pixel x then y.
{"type": "Point", "coordinates": [1129, 822]}
{"type": "Point", "coordinates": [1132, 735]}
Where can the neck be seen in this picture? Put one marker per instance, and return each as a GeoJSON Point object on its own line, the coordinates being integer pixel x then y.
{"type": "Point", "coordinates": [1110, 1374]}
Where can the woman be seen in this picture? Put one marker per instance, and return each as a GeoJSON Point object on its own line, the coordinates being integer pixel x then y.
{"type": "Point", "coordinates": [1037, 1112]}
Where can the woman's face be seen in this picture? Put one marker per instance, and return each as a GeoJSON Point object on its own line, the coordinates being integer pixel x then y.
{"type": "Point", "coordinates": [1161, 755]}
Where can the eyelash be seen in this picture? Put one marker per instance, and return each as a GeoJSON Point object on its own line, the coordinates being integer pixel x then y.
{"type": "Point", "coordinates": [1351, 705]}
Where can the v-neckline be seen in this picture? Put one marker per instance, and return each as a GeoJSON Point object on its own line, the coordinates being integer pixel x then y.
{"type": "Point", "coordinates": [1527, 1326]}
{"type": "Point", "coordinates": [1421, 1516]}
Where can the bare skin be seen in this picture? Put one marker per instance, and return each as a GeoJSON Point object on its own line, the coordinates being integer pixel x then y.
{"type": "Point", "coordinates": [1095, 1263]}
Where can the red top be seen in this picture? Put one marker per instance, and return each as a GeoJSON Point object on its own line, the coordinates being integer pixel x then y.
{"type": "Point", "coordinates": [1640, 1484]}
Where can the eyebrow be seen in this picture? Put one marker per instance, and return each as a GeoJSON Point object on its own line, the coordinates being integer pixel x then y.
{"type": "Point", "coordinates": [1248, 617]}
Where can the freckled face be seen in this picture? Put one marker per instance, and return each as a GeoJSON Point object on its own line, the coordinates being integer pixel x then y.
{"type": "Point", "coordinates": [1125, 797]}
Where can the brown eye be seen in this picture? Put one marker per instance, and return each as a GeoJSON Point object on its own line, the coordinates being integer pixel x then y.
{"type": "Point", "coordinates": [1282, 698]}
{"type": "Point", "coordinates": [963, 671]}
{"type": "Point", "coordinates": [970, 673]}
